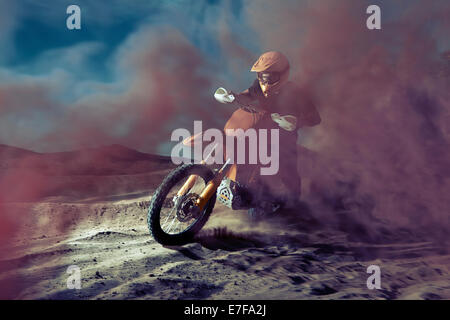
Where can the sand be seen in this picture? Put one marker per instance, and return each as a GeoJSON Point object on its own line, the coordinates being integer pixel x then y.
{"type": "Point", "coordinates": [295, 254]}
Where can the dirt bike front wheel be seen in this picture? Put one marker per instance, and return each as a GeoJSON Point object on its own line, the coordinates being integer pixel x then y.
{"type": "Point", "coordinates": [169, 219]}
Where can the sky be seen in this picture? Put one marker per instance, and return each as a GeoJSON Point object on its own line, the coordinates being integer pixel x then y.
{"type": "Point", "coordinates": [48, 72]}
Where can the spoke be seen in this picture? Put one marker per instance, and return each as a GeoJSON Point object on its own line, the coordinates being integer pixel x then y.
{"type": "Point", "coordinates": [176, 226]}
{"type": "Point", "coordinates": [169, 214]}
{"type": "Point", "coordinates": [170, 226]}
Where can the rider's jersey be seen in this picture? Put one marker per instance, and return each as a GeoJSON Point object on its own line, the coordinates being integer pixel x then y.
{"type": "Point", "coordinates": [291, 100]}
{"type": "Point", "coordinates": [244, 118]}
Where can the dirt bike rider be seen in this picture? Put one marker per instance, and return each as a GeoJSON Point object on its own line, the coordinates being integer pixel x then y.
{"type": "Point", "coordinates": [275, 102]}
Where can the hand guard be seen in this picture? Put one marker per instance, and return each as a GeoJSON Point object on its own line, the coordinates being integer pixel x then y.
{"type": "Point", "coordinates": [223, 96]}
{"type": "Point", "coordinates": [288, 122]}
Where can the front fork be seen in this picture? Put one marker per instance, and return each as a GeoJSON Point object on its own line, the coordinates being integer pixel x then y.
{"type": "Point", "coordinates": [210, 189]}
{"type": "Point", "coordinates": [212, 186]}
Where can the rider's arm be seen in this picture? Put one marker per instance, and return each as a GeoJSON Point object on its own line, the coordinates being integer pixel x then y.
{"type": "Point", "coordinates": [249, 95]}
{"type": "Point", "coordinates": [308, 115]}
{"type": "Point", "coordinates": [299, 103]}
{"type": "Point", "coordinates": [244, 97]}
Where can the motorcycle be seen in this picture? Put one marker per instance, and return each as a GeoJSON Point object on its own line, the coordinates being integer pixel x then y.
{"type": "Point", "coordinates": [182, 204]}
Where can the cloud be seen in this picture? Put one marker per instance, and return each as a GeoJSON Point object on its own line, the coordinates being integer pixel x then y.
{"type": "Point", "coordinates": [160, 76]}
{"type": "Point", "coordinates": [161, 70]}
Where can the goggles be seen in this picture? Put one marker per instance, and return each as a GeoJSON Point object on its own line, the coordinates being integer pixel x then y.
{"type": "Point", "coordinates": [268, 77]}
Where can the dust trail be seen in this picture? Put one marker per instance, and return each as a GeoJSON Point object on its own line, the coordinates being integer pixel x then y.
{"type": "Point", "coordinates": [383, 97]}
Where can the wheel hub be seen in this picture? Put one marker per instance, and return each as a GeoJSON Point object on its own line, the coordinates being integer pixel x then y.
{"type": "Point", "coordinates": [187, 208]}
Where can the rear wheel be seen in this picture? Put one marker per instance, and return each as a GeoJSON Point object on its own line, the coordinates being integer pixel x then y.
{"type": "Point", "coordinates": [173, 220]}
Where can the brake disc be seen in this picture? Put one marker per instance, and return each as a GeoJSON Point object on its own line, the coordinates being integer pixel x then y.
{"type": "Point", "coordinates": [186, 208]}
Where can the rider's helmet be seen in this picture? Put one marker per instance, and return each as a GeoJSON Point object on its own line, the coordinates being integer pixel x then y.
{"type": "Point", "coordinates": [273, 72]}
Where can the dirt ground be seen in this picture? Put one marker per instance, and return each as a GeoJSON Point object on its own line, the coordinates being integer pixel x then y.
{"type": "Point", "coordinates": [285, 257]}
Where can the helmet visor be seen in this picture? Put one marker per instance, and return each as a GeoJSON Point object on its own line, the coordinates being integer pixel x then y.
{"type": "Point", "coordinates": [268, 77]}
